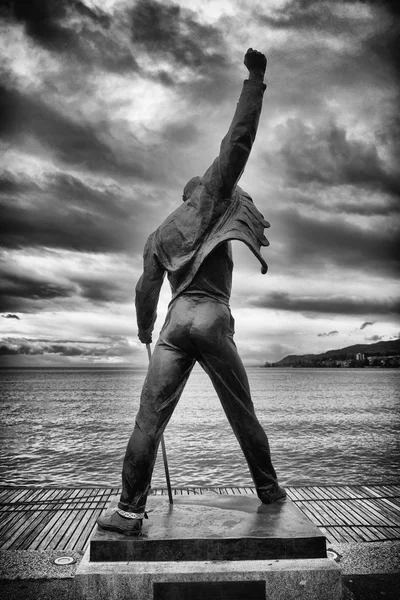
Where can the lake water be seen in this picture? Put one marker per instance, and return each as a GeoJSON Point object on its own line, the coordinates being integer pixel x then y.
{"type": "Point", "coordinates": [70, 427]}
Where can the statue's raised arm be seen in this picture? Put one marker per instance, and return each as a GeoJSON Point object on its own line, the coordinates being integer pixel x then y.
{"type": "Point", "coordinates": [227, 168]}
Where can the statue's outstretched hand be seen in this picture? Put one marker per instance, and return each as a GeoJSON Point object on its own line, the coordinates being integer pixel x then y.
{"type": "Point", "coordinates": [255, 61]}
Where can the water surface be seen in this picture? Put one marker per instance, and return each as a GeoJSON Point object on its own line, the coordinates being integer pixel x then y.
{"type": "Point", "coordinates": [325, 426]}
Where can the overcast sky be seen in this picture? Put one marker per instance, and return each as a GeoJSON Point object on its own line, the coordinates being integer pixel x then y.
{"type": "Point", "coordinates": [108, 107]}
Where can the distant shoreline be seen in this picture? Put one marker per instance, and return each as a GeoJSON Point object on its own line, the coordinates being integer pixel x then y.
{"type": "Point", "coordinates": [335, 368]}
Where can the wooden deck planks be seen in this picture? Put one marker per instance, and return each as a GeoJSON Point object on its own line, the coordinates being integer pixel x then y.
{"type": "Point", "coordinates": [75, 528]}
{"type": "Point", "coordinates": [87, 530]}
{"type": "Point", "coordinates": [63, 518]}
{"type": "Point", "coordinates": [33, 526]}
{"type": "Point", "coordinates": [20, 534]}
{"type": "Point", "coordinates": [382, 513]}
{"type": "Point", "coordinates": [43, 538]}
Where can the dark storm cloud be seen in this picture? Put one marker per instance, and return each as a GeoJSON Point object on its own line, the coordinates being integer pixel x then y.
{"type": "Point", "coordinates": [379, 206]}
{"type": "Point", "coordinates": [43, 22]}
{"type": "Point", "coordinates": [326, 156]}
{"type": "Point", "coordinates": [60, 227]}
{"type": "Point", "coordinates": [334, 169]}
{"type": "Point", "coordinates": [169, 30]}
{"type": "Point", "coordinates": [308, 16]}
{"type": "Point", "coordinates": [75, 143]}
{"type": "Point", "coordinates": [93, 36]}
{"type": "Point", "coordinates": [312, 241]}
{"type": "Point", "coordinates": [100, 289]}
{"type": "Point", "coordinates": [366, 324]}
{"type": "Point", "coordinates": [89, 39]}
{"type": "Point", "coordinates": [64, 212]}
{"type": "Point", "coordinates": [21, 292]}
{"type": "Point", "coordinates": [27, 291]}
{"type": "Point", "coordinates": [313, 71]}
{"type": "Point", "coordinates": [356, 201]}
{"type": "Point", "coordinates": [10, 316]}
{"type": "Point", "coordinates": [173, 33]}
{"type": "Point", "coordinates": [392, 6]}
{"type": "Point", "coordinates": [387, 47]}
{"type": "Point", "coordinates": [46, 341]}
{"type": "Point", "coordinates": [6, 350]}
{"type": "Point", "coordinates": [317, 16]}
{"type": "Point", "coordinates": [37, 349]}
{"type": "Point", "coordinates": [103, 348]}
{"type": "Point", "coordinates": [342, 305]}
{"type": "Point", "coordinates": [327, 334]}
{"type": "Point", "coordinates": [11, 185]}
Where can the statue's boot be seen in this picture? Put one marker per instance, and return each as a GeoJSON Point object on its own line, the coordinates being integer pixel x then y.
{"type": "Point", "coordinates": [119, 524]}
{"type": "Point", "coordinates": [279, 495]}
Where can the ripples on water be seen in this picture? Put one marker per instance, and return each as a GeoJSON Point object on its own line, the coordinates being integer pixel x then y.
{"type": "Point", "coordinates": [325, 426]}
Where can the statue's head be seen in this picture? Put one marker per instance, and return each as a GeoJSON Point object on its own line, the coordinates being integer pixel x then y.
{"type": "Point", "coordinates": [190, 187]}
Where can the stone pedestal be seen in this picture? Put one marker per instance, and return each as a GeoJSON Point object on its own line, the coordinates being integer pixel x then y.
{"type": "Point", "coordinates": [202, 547]}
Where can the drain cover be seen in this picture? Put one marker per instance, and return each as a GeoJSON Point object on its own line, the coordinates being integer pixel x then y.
{"type": "Point", "coordinates": [64, 560]}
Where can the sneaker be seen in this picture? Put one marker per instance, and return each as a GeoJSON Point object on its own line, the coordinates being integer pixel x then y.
{"type": "Point", "coordinates": [279, 495]}
{"type": "Point", "coordinates": [115, 522]}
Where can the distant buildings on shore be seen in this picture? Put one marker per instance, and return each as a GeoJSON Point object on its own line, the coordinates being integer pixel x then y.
{"type": "Point", "coordinates": [358, 360]}
{"type": "Point", "coordinates": [381, 354]}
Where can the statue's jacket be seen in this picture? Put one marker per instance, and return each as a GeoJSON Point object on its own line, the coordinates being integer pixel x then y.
{"type": "Point", "coordinates": [217, 211]}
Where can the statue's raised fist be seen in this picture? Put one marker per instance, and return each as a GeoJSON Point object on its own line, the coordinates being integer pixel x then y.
{"type": "Point", "coordinates": [255, 61]}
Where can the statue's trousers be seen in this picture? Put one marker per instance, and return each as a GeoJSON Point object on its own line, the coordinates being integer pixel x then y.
{"type": "Point", "coordinates": [196, 329]}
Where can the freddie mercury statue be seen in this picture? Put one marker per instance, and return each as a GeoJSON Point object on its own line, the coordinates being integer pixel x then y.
{"type": "Point", "coordinates": [193, 247]}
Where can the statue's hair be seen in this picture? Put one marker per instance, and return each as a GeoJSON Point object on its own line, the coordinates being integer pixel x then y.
{"type": "Point", "coordinates": [190, 187]}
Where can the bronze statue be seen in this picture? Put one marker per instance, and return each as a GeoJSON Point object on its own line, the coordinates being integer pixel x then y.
{"type": "Point", "coordinates": [193, 247]}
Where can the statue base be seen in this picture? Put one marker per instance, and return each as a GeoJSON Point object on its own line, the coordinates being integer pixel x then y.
{"type": "Point", "coordinates": [213, 528]}
{"type": "Point", "coordinates": [202, 547]}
